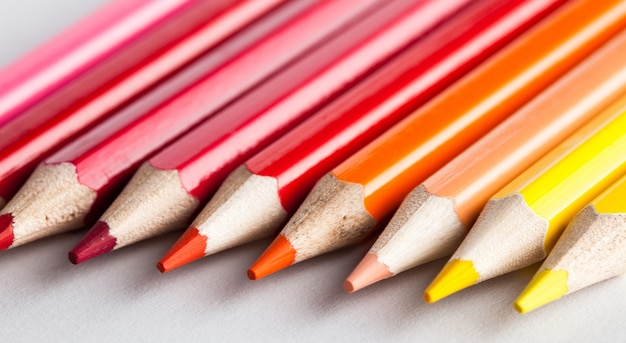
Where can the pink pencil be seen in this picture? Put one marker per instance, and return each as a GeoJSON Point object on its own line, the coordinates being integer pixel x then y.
{"type": "Point", "coordinates": [94, 52]}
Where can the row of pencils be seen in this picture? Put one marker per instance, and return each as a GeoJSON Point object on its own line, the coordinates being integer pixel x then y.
{"type": "Point", "coordinates": [322, 123]}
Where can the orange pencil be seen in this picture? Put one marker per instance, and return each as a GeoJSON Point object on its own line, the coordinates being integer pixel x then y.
{"type": "Point", "coordinates": [434, 217]}
{"type": "Point", "coordinates": [347, 203]}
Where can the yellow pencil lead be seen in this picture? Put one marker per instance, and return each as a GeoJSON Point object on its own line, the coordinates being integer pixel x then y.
{"type": "Point", "coordinates": [545, 287]}
{"type": "Point", "coordinates": [455, 276]}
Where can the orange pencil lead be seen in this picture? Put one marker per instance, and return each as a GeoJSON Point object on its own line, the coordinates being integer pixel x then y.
{"type": "Point", "coordinates": [369, 271]}
{"type": "Point", "coordinates": [189, 247]}
{"type": "Point", "coordinates": [97, 242]}
{"type": "Point", "coordinates": [6, 231]}
{"type": "Point", "coordinates": [279, 255]}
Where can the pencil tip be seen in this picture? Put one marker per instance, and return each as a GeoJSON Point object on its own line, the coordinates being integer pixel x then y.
{"type": "Point", "coordinates": [189, 247]}
{"type": "Point", "coordinates": [6, 231]}
{"type": "Point", "coordinates": [279, 255]}
{"type": "Point", "coordinates": [545, 287]}
{"type": "Point", "coordinates": [96, 242]}
{"type": "Point", "coordinates": [370, 270]}
{"type": "Point", "coordinates": [456, 275]}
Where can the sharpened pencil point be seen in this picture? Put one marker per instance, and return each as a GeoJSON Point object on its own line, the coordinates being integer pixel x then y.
{"type": "Point", "coordinates": [279, 255]}
{"type": "Point", "coordinates": [6, 231]}
{"type": "Point", "coordinates": [545, 287]}
{"type": "Point", "coordinates": [189, 247]}
{"type": "Point", "coordinates": [367, 272]}
{"type": "Point", "coordinates": [456, 275]}
{"type": "Point", "coordinates": [98, 241]}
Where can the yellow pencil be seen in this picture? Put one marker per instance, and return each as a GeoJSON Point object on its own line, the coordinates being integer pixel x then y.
{"type": "Point", "coordinates": [521, 223]}
{"type": "Point", "coordinates": [592, 249]}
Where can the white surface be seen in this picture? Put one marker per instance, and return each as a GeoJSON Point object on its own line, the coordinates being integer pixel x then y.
{"type": "Point", "coordinates": [122, 297]}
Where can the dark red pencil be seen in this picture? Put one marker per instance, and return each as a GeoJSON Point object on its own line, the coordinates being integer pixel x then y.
{"type": "Point", "coordinates": [167, 190]}
{"type": "Point", "coordinates": [260, 195]}
{"type": "Point", "coordinates": [94, 52]}
{"type": "Point", "coordinates": [80, 178]}
{"type": "Point", "coordinates": [24, 145]}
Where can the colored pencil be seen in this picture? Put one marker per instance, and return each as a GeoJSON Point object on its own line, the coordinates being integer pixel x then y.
{"type": "Point", "coordinates": [592, 249]}
{"type": "Point", "coordinates": [346, 204]}
{"type": "Point", "coordinates": [193, 167]}
{"type": "Point", "coordinates": [23, 146]}
{"type": "Point", "coordinates": [283, 173]}
{"type": "Point", "coordinates": [521, 223]}
{"type": "Point", "coordinates": [82, 177]}
{"type": "Point", "coordinates": [433, 219]}
{"type": "Point", "coordinates": [94, 52]}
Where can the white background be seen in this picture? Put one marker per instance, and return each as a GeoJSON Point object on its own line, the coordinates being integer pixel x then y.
{"type": "Point", "coordinates": [122, 296]}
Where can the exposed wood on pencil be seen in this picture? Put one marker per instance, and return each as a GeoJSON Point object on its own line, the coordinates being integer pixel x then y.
{"type": "Point", "coordinates": [434, 218]}
{"type": "Point", "coordinates": [325, 222]}
{"type": "Point", "coordinates": [245, 208]}
{"type": "Point", "coordinates": [160, 184]}
{"type": "Point", "coordinates": [399, 248]}
{"type": "Point", "coordinates": [52, 201]}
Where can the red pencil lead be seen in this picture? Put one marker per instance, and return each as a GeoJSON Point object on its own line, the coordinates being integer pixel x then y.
{"type": "Point", "coordinates": [6, 231]}
{"type": "Point", "coordinates": [189, 247]}
{"type": "Point", "coordinates": [279, 255]}
{"type": "Point", "coordinates": [98, 241]}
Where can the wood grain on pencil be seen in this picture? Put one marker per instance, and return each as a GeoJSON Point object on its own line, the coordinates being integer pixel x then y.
{"type": "Point", "coordinates": [199, 162]}
{"type": "Point", "coordinates": [434, 217]}
{"type": "Point", "coordinates": [592, 249]}
{"type": "Point", "coordinates": [23, 148]}
{"type": "Point", "coordinates": [92, 53]}
{"type": "Point", "coordinates": [258, 197]}
{"type": "Point", "coordinates": [104, 158]}
{"type": "Point", "coordinates": [382, 173]}
{"type": "Point", "coordinates": [521, 223]}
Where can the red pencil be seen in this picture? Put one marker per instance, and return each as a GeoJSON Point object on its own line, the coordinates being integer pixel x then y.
{"type": "Point", "coordinates": [25, 144]}
{"type": "Point", "coordinates": [259, 196]}
{"type": "Point", "coordinates": [167, 190]}
{"type": "Point", "coordinates": [94, 52]}
{"type": "Point", "coordinates": [80, 178]}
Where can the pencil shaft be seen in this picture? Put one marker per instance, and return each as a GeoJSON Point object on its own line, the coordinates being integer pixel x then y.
{"type": "Point", "coordinates": [23, 147]}
{"type": "Point", "coordinates": [389, 93]}
{"type": "Point", "coordinates": [324, 74]}
{"type": "Point", "coordinates": [405, 155]}
{"type": "Point", "coordinates": [94, 52]}
{"type": "Point", "coordinates": [107, 155]}
{"type": "Point", "coordinates": [479, 172]}
{"type": "Point", "coordinates": [613, 200]}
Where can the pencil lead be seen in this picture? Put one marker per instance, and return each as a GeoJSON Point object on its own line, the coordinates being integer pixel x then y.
{"type": "Point", "coordinates": [456, 275]}
{"type": "Point", "coordinates": [98, 241]}
{"type": "Point", "coordinates": [370, 270]}
{"type": "Point", "coordinates": [279, 255]}
{"type": "Point", "coordinates": [189, 247]}
{"type": "Point", "coordinates": [547, 286]}
{"type": "Point", "coordinates": [6, 231]}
